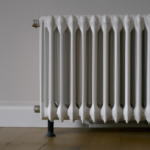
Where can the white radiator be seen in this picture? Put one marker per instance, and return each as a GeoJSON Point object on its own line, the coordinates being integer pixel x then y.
{"type": "Point", "coordinates": [95, 68]}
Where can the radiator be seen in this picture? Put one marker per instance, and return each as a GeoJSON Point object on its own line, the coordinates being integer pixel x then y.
{"type": "Point", "coordinates": [95, 68]}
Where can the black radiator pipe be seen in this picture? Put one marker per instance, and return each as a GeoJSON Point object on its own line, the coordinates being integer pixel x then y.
{"type": "Point", "coordinates": [50, 129]}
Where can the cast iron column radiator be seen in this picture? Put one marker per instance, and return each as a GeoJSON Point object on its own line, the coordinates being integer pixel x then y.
{"type": "Point", "coordinates": [95, 68]}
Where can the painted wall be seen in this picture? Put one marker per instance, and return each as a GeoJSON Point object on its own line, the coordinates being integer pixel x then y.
{"type": "Point", "coordinates": [19, 52]}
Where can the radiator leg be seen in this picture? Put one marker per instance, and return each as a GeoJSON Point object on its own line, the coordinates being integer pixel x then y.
{"type": "Point", "coordinates": [50, 129]}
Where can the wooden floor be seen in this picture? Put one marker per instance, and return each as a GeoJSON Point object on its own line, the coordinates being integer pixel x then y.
{"type": "Point", "coordinates": [74, 139]}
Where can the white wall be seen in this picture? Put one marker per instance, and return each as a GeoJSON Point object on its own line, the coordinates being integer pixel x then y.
{"type": "Point", "coordinates": [19, 53]}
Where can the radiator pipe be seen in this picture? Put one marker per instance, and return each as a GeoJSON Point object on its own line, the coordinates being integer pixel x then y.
{"type": "Point", "coordinates": [50, 124]}
{"type": "Point", "coordinates": [50, 129]}
{"type": "Point", "coordinates": [36, 109]}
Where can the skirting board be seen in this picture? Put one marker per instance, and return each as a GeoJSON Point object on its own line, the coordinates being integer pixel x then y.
{"type": "Point", "coordinates": [24, 116]}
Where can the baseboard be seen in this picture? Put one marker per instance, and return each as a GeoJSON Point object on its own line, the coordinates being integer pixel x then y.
{"type": "Point", "coordinates": [24, 116]}
{"type": "Point", "coordinates": [19, 103]}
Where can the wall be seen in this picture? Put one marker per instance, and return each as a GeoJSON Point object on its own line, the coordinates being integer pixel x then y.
{"type": "Point", "coordinates": [19, 53]}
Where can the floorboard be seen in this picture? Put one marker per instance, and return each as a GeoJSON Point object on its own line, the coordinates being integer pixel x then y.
{"type": "Point", "coordinates": [75, 139]}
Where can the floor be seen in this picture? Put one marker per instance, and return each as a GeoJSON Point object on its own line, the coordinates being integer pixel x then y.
{"type": "Point", "coordinates": [75, 139]}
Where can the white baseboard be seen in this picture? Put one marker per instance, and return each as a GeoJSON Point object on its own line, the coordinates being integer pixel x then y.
{"type": "Point", "coordinates": [19, 103]}
{"type": "Point", "coordinates": [24, 116]}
